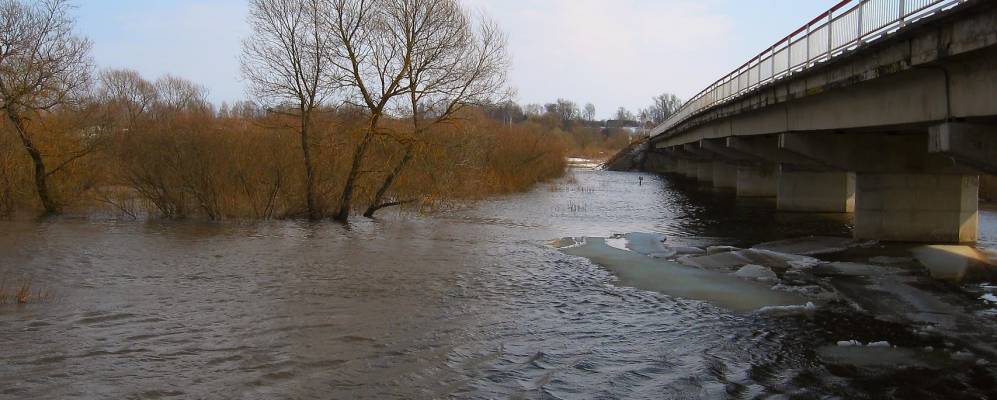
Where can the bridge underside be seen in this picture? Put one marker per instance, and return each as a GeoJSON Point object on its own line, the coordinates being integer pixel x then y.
{"type": "Point", "coordinates": [898, 134]}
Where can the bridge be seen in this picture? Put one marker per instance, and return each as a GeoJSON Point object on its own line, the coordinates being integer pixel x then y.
{"type": "Point", "coordinates": [884, 108]}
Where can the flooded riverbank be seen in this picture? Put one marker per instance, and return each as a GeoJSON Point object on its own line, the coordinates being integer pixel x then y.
{"type": "Point", "coordinates": [479, 304]}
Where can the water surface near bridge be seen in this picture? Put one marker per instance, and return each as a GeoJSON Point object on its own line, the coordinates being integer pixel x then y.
{"type": "Point", "coordinates": [467, 304]}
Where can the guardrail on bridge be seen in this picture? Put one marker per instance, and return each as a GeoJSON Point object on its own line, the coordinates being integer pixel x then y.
{"type": "Point", "coordinates": [834, 32]}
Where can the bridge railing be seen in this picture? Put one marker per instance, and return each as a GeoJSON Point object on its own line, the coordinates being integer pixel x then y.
{"type": "Point", "coordinates": [834, 32]}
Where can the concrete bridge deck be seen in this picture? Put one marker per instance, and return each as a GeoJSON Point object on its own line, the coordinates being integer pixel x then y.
{"type": "Point", "coordinates": [893, 120]}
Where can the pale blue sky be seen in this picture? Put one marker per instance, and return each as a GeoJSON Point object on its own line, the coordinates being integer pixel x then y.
{"type": "Point", "coordinates": [609, 52]}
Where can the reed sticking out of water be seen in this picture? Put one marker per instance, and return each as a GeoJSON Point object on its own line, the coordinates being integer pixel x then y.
{"type": "Point", "coordinates": [21, 293]}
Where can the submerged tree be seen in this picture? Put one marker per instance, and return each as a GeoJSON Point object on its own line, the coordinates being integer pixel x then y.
{"type": "Point", "coordinates": [454, 62]}
{"type": "Point", "coordinates": [373, 47]}
{"type": "Point", "coordinates": [43, 65]}
{"type": "Point", "coordinates": [285, 61]}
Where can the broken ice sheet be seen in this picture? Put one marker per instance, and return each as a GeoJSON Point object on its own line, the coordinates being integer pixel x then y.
{"type": "Point", "coordinates": [674, 279]}
{"type": "Point", "coordinates": [809, 246]}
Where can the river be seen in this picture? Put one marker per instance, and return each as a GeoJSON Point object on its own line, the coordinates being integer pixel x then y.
{"type": "Point", "coordinates": [480, 302]}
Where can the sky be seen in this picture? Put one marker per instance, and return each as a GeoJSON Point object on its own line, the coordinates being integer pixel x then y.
{"type": "Point", "coordinates": [612, 53]}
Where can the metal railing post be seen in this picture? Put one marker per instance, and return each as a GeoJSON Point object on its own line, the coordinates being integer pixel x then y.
{"type": "Point", "coordinates": [858, 37]}
{"type": "Point", "coordinates": [903, 12]}
{"type": "Point", "coordinates": [772, 63]}
{"type": "Point", "coordinates": [789, 55]}
{"type": "Point", "coordinates": [830, 33]}
{"type": "Point", "coordinates": [806, 62]}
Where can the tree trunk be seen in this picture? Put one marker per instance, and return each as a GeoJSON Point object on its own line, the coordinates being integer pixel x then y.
{"type": "Point", "coordinates": [388, 181]}
{"type": "Point", "coordinates": [41, 186]}
{"type": "Point", "coordinates": [313, 212]}
{"type": "Point", "coordinates": [344, 204]}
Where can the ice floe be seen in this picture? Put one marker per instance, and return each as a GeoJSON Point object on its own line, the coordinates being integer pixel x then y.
{"type": "Point", "coordinates": [850, 269]}
{"type": "Point", "coordinates": [856, 343]}
{"type": "Point", "coordinates": [887, 260]}
{"type": "Point", "coordinates": [768, 258]}
{"type": "Point", "coordinates": [850, 353]}
{"type": "Point", "coordinates": [720, 249]}
{"type": "Point", "coordinates": [955, 263]}
{"type": "Point", "coordinates": [809, 246]}
{"type": "Point", "coordinates": [674, 279]}
{"type": "Point", "coordinates": [756, 272]}
{"type": "Point", "coordinates": [789, 309]}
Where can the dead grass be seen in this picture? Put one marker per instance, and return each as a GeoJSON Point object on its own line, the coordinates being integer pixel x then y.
{"type": "Point", "coordinates": [22, 293]}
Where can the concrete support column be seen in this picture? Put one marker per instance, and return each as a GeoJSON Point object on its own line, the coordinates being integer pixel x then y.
{"type": "Point", "coordinates": [705, 172]}
{"type": "Point", "coordinates": [917, 207]}
{"type": "Point", "coordinates": [757, 182]}
{"type": "Point", "coordinates": [724, 176]}
{"type": "Point", "coordinates": [659, 163]}
{"type": "Point", "coordinates": [688, 168]}
{"type": "Point", "coordinates": [832, 192]}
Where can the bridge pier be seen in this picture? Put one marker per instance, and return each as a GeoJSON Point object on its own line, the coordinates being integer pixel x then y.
{"type": "Point", "coordinates": [704, 173]}
{"type": "Point", "coordinates": [688, 168]}
{"type": "Point", "coordinates": [724, 176]}
{"type": "Point", "coordinates": [660, 163]}
{"type": "Point", "coordinates": [810, 191]}
{"type": "Point", "coordinates": [917, 207]}
{"type": "Point", "coordinates": [757, 182]}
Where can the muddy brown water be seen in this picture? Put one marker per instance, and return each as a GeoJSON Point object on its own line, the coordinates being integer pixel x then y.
{"type": "Point", "coordinates": [464, 304]}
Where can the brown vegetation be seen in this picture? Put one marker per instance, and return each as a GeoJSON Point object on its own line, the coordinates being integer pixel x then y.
{"type": "Point", "coordinates": [359, 105]}
{"type": "Point", "coordinates": [21, 293]}
{"type": "Point", "coordinates": [241, 162]}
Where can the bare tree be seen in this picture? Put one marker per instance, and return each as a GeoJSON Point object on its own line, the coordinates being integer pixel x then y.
{"type": "Point", "coordinates": [285, 62]}
{"type": "Point", "coordinates": [43, 65]}
{"type": "Point", "coordinates": [374, 45]}
{"type": "Point", "coordinates": [175, 94]}
{"type": "Point", "coordinates": [455, 62]}
{"type": "Point", "coordinates": [589, 112]}
{"type": "Point", "coordinates": [127, 94]}
{"type": "Point", "coordinates": [662, 107]}
{"type": "Point", "coordinates": [622, 114]}
{"type": "Point", "coordinates": [533, 110]}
